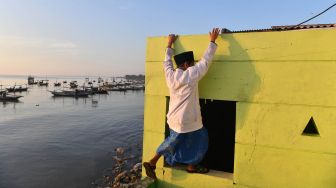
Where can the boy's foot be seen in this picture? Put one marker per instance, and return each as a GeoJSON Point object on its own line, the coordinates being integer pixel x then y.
{"type": "Point", "coordinates": [150, 170]}
{"type": "Point", "coordinates": [197, 169]}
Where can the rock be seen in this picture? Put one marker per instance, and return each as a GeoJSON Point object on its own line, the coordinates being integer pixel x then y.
{"type": "Point", "coordinates": [137, 167]}
{"type": "Point", "coordinates": [119, 176]}
{"type": "Point", "coordinates": [119, 160]}
{"type": "Point", "coordinates": [120, 151]}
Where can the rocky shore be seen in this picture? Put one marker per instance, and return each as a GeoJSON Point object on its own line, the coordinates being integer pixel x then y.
{"type": "Point", "coordinates": [125, 173]}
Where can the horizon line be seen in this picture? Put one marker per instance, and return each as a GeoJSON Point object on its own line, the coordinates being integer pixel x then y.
{"type": "Point", "coordinates": [57, 75]}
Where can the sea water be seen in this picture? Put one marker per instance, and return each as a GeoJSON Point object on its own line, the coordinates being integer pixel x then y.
{"type": "Point", "coordinates": [65, 142]}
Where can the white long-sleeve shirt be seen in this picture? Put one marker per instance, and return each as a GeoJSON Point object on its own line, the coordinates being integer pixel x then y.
{"type": "Point", "coordinates": [184, 113]}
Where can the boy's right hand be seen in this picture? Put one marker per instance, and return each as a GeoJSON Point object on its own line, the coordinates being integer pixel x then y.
{"type": "Point", "coordinates": [214, 34]}
{"type": "Point", "coordinates": [171, 40]}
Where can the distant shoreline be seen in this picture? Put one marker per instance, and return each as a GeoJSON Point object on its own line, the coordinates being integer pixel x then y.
{"type": "Point", "coordinates": [66, 76]}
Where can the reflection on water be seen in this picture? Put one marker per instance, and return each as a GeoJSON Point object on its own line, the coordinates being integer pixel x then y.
{"type": "Point", "coordinates": [10, 104]}
{"type": "Point", "coordinates": [50, 141]}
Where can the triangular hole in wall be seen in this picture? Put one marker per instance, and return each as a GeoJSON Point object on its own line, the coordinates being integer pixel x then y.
{"type": "Point", "coordinates": [311, 129]}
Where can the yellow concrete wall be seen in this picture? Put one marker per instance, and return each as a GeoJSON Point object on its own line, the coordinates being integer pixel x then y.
{"type": "Point", "coordinates": [280, 80]}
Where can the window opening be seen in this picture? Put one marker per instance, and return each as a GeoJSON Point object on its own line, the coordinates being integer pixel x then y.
{"type": "Point", "coordinates": [219, 118]}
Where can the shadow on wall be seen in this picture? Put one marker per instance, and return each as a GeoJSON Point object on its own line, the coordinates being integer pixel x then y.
{"type": "Point", "coordinates": [237, 71]}
{"type": "Point", "coordinates": [232, 79]}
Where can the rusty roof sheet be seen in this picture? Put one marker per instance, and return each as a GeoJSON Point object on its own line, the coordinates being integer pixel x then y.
{"type": "Point", "coordinates": [282, 28]}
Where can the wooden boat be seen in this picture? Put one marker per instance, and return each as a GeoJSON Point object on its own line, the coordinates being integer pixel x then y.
{"type": "Point", "coordinates": [73, 84]}
{"type": "Point", "coordinates": [43, 83]}
{"type": "Point", "coordinates": [57, 84]}
{"type": "Point", "coordinates": [101, 91]}
{"type": "Point", "coordinates": [31, 80]}
{"type": "Point", "coordinates": [117, 88]}
{"type": "Point", "coordinates": [4, 96]}
{"type": "Point", "coordinates": [17, 88]}
{"type": "Point", "coordinates": [137, 87]}
{"type": "Point", "coordinates": [70, 93]}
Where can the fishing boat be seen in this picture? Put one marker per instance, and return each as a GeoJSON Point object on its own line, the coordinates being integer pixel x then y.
{"type": "Point", "coordinates": [57, 84]}
{"type": "Point", "coordinates": [137, 87]}
{"type": "Point", "coordinates": [31, 80]}
{"type": "Point", "coordinates": [4, 96]}
{"type": "Point", "coordinates": [17, 88]}
{"type": "Point", "coordinates": [117, 88]}
{"type": "Point", "coordinates": [95, 90]}
{"type": "Point", "coordinates": [99, 90]}
{"type": "Point", "coordinates": [102, 91]}
{"type": "Point", "coordinates": [70, 93]}
{"type": "Point", "coordinates": [43, 83]}
{"type": "Point", "coordinates": [73, 84]}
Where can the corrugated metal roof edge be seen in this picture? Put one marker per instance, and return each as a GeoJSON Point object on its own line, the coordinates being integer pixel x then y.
{"type": "Point", "coordinates": [282, 28]}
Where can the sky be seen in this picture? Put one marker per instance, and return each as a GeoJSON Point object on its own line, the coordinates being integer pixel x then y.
{"type": "Point", "coordinates": [108, 37]}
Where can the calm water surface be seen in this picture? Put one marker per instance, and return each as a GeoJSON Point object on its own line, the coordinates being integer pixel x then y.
{"type": "Point", "coordinates": [65, 142]}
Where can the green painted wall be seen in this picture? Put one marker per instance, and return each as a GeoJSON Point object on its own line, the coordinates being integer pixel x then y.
{"type": "Point", "coordinates": [280, 80]}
